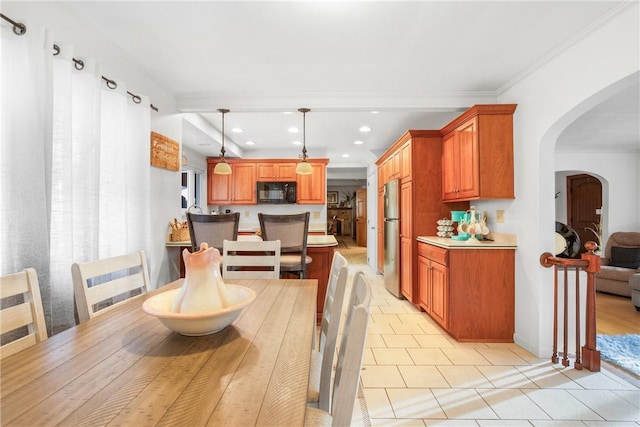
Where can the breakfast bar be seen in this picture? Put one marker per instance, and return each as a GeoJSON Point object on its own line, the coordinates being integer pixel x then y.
{"type": "Point", "coordinates": [124, 367]}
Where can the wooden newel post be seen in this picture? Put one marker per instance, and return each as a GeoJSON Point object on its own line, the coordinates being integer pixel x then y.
{"type": "Point", "coordinates": [590, 354]}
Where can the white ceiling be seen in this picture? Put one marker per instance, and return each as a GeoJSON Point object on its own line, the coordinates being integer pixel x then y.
{"type": "Point", "coordinates": [419, 64]}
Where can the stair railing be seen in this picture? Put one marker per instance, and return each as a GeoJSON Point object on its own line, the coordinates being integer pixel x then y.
{"type": "Point", "coordinates": [590, 263]}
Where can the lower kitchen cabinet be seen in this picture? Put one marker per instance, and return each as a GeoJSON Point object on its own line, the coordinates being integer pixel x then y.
{"type": "Point", "coordinates": [469, 292]}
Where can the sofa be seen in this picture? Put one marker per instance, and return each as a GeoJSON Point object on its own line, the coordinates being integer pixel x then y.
{"type": "Point", "coordinates": [620, 263]}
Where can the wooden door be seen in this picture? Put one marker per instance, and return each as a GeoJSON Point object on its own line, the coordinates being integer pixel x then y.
{"type": "Point", "coordinates": [450, 165]}
{"type": "Point", "coordinates": [439, 275]}
{"type": "Point", "coordinates": [361, 217]}
{"type": "Point", "coordinates": [424, 283]}
{"type": "Point", "coordinates": [468, 170]}
{"type": "Point", "coordinates": [584, 202]}
{"type": "Point", "coordinates": [243, 181]}
{"type": "Point", "coordinates": [219, 187]}
{"type": "Point", "coordinates": [312, 189]}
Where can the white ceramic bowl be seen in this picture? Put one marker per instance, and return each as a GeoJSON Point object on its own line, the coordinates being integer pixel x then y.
{"type": "Point", "coordinates": [196, 324]}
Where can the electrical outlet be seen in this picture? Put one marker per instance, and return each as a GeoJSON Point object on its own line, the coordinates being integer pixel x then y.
{"type": "Point", "coordinates": [500, 216]}
{"type": "Point", "coordinates": [247, 214]}
{"type": "Point", "coordinates": [316, 214]}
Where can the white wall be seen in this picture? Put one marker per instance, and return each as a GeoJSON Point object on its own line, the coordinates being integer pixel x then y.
{"type": "Point", "coordinates": [549, 98]}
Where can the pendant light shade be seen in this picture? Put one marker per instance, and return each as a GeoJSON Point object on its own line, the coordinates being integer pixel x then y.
{"type": "Point", "coordinates": [304, 168]}
{"type": "Point", "coordinates": [222, 167]}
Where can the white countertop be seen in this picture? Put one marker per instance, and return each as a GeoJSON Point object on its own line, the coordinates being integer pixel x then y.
{"type": "Point", "coordinates": [500, 241]}
{"type": "Point", "coordinates": [313, 240]}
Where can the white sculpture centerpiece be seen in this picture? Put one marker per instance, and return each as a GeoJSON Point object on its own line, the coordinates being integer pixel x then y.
{"type": "Point", "coordinates": [204, 304]}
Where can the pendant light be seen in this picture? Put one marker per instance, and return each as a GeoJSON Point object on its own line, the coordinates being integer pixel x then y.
{"type": "Point", "coordinates": [222, 167]}
{"type": "Point", "coordinates": [304, 168]}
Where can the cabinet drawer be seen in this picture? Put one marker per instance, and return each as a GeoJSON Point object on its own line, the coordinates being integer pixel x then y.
{"type": "Point", "coordinates": [434, 253]}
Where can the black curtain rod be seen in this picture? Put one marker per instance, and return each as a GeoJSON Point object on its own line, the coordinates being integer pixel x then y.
{"type": "Point", "coordinates": [19, 29]}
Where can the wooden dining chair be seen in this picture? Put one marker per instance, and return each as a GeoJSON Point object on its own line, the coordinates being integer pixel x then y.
{"type": "Point", "coordinates": [292, 231]}
{"type": "Point", "coordinates": [322, 357]}
{"type": "Point", "coordinates": [349, 362]}
{"type": "Point", "coordinates": [104, 284]}
{"type": "Point", "coordinates": [212, 229]}
{"type": "Point", "coordinates": [251, 259]}
{"type": "Point", "coordinates": [24, 310]}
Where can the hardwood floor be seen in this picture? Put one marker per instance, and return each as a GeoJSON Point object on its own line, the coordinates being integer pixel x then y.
{"type": "Point", "coordinates": [616, 315]}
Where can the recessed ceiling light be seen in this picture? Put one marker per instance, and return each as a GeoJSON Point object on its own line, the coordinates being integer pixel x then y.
{"type": "Point", "coordinates": [204, 144]}
{"type": "Point", "coordinates": [293, 130]}
{"type": "Point", "coordinates": [250, 143]}
{"type": "Point", "coordinates": [237, 130]}
{"type": "Point", "coordinates": [286, 112]}
{"type": "Point", "coordinates": [365, 129]}
{"type": "Point", "coordinates": [358, 142]}
{"type": "Point", "coordinates": [374, 112]}
{"type": "Point", "coordinates": [297, 143]}
{"type": "Point", "coordinates": [346, 155]}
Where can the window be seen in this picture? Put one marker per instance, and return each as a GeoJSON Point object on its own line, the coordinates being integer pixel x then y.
{"type": "Point", "coordinates": [191, 193]}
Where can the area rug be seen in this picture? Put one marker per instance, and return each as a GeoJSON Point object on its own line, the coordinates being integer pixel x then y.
{"type": "Point", "coordinates": [621, 350]}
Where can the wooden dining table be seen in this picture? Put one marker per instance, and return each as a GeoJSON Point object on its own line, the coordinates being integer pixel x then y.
{"type": "Point", "coordinates": [124, 367]}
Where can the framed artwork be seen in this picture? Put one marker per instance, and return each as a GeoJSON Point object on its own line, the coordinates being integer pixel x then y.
{"type": "Point", "coordinates": [332, 197]}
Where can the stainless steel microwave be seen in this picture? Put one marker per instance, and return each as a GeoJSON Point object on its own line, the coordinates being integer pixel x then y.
{"type": "Point", "coordinates": [276, 192]}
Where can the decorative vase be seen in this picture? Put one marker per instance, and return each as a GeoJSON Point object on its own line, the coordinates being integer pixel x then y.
{"type": "Point", "coordinates": [203, 290]}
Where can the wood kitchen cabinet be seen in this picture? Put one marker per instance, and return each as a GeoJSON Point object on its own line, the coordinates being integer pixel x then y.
{"type": "Point", "coordinates": [469, 292]}
{"type": "Point", "coordinates": [239, 188]}
{"type": "Point", "coordinates": [418, 154]}
{"type": "Point", "coordinates": [272, 171]}
{"type": "Point", "coordinates": [312, 189]}
{"type": "Point", "coordinates": [477, 154]}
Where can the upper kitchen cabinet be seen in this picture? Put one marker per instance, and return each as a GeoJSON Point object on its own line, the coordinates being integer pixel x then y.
{"type": "Point", "coordinates": [477, 154]}
{"type": "Point", "coordinates": [239, 188]}
{"type": "Point", "coordinates": [312, 189]}
{"type": "Point", "coordinates": [275, 171]}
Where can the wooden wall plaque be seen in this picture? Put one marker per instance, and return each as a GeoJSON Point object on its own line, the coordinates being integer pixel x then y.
{"type": "Point", "coordinates": [165, 152]}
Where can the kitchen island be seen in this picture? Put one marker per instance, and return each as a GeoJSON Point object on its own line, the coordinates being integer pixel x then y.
{"type": "Point", "coordinates": [468, 287]}
{"type": "Point", "coordinates": [320, 247]}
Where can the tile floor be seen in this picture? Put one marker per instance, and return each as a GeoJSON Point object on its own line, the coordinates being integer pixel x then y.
{"type": "Point", "coordinates": [414, 374]}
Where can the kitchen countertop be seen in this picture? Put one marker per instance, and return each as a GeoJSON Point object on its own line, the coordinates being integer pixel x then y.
{"type": "Point", "coordinates": [500, 241]}
{"type": "Point", "coordinates": [313, 240]}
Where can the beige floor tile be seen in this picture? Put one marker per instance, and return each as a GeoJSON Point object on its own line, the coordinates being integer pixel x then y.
{"type": "Point", "coordinates": [392, 356]}
{"type": "Point", "coordinates": [610, 424]}
{"type": "Point", "coordinates": [428, 356]}
{"type": "Point", "coordinates": [506, 377]}
{"type": "Point", "coordinates": [384, 318]}
{"type": "Point", "coordinates": [374, 340]}
{"type": "Point", "coordinates": [393, 422]}
{"type": "Point", "coordinates": [405, 340]}
{"type": "Point", "coordinates": [414, 403]}
{"type": "Point", "coordinates": [597, 380]}
{"type": "Point", "coordinates": [367, 357]}
{"type": "Point", "coordinates": [407, 328]}
{"type": "Point", "coordinates": [557, 423]}
{"type": "Point", "coordinates": [501, 356]}
{"type": "Point", "coordinates": [380, 328]}
{"type": "Point", "coordinates": [631, 396]}
{"type": "Point", "coordinates": [608, 405]}
{"type": "Point", "coordinates": [547, 376]}
{"type": "Point", "coordinates": [433, 341]}
{"type": "Point", "coordinates": [423, 376]}
{"type": "Point", "coordinates": [503, 423]}
{"type": "Point", "coordinates": [393, 309]}
{"type": "Point", "coordinates": [464, 377]}
{"type": "Point", "coordinates": [416, 317]}
{"type": "Point", "coordinates": [466, 345]}
{"type": "Point", "coordinates": [381, 376]}
{"type": "Point", "coordinates": [378, 403]}
{"type": "Point", "coordinates": [463, 356]}
{"type": "Point", "coordinates": [432, 329]}
{"type": "Point", "coordinates": [561, 405]}
{"type": "Point", "coordinates": [463, 404]}
{"type": "Point", "coordinates": [512, 404]}
{"type": "Point", "coordinates": [451, 423]}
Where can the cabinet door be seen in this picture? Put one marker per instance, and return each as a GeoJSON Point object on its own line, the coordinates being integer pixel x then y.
{"type": "Point", "coordinates": [286, 171]}
{"type": "Point", "coordinates": [468, 160]}
{"type": "Point", "coordinates": [406, 268]}
{"type": "Point", "coordinates": [266, 172]}
{"type": "Point", "coordinates": [424, 284]}
{"type": "Point", "coordinates": [439, 294]}
{"type": "Point", "coordinates": [311, 189]}
{"type": "Point", "coordinates": [395, 163]}
{"type": "Point", "coordinates": [450, 165]}
{"type": "Point", "coordinates": [405, 162]}
{"type": "Point", "coordinates": [218, 188]}
{"type": "Point", "coordinates": [243, 180]}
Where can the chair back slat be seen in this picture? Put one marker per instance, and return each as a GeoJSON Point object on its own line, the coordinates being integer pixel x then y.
{"type": "Point", "coordinates": [104, 284]}
{"type": "Point", "coordinates": [349, 363]}
{"type": "Point", "coordinates": [251, 259]}
{"type": "Point", "coordinates": [21, 293]}
{"type": "Point", "coordinates": [212, 229]}
{"type": "Point", "coordinates": [292, 231]}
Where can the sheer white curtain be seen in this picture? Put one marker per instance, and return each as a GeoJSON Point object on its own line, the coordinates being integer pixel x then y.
{"type": "Point", "coordinates": [86, 182]}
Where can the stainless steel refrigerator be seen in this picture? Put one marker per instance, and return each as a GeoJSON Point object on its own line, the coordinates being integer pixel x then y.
{"type": "Point", "coordinates": [392, 237]}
